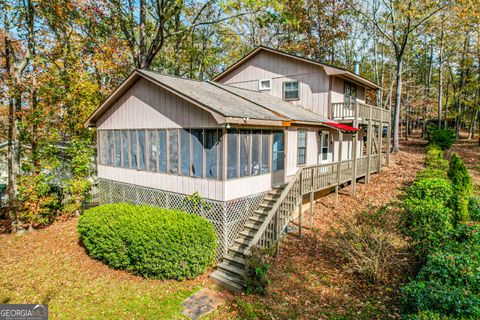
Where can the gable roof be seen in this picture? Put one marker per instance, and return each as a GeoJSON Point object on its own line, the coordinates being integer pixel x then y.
{"type": "Point", "coordinates": [227, 104]}
{"type": "Point", "coordinates": [330, 70]}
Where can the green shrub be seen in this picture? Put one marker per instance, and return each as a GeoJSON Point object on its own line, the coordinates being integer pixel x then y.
{"type": "Point", "coordinates": [427, 315]}
{"type": "Point", "coordinates": [149, 241]}
{"type": "Point", "coordinates": [259, 262]}
{"type": "Point", "coordinates": [474, 208]}
{"type": "Point", "coordinates": [431, 173]}
{"type": "Point", "coordinates": [441, 137]}
{"type": "Point", "coordinates": [458, 174]}
{"type": "Point", "coordinates": [462, 184]}
{"type": "Point", "coordinates": [429, 223]}
{"type": "Point", "coordinates": [441, 299]}
{"type": "Point", "coordinates": [436, 189]}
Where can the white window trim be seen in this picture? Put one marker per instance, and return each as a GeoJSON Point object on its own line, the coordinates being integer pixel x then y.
{"type": "Point", "coordinates": [260, 85]}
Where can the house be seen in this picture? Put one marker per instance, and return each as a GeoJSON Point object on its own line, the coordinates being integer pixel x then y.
{"type": "Point", "coordinates": [265, 135]}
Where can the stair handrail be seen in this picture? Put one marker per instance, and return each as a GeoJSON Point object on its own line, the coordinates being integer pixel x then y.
{"type": "Point", "coordinates": [273, 211]}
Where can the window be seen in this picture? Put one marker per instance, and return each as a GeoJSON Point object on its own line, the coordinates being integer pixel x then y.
{"type": "Point", "coordinates": [173, 150]}
{"type": "Point", "coordinates": [162, 151]}
{"type": "Point", "coordinates": [350, 92]}
{"type": "Point", "coordinates": [111, 148]}
{"type": "Point", "coordinates": [255, 167]}
{"type": "Point", "coordinates": [278, 151]}
{"type": "Point", "coordinates": [142, 150]}
{"type": "Point", "coordinates": [133, 149]}
{"type": "Point", "coordinates": [244, 153]}
{"type": "Point", "coordinates": [197, 153]}
{"type": "Point", "coordinates": [211, 142]}
{"type": "Point", "coordinates": [290, 90]}
{"type": "Point", "coordinates": [264, 85]}
{"type": "Point", "coordinates": [118, 148]}
{"type": "Point", "coordinates": [265, 152]}
{"type": "Point", "coordinates": [185, 152]}
{"type": "Point", "coordinates": [103, 147]}
{"type": "Point", "coordinates": [302, 147]}
{"type": "Point", "coordinates": [152, 150]}
{"type": "Point", "coordinates": [232, 153]}
{"type": "Point", "coordinates": [323, 146]}
{"type": "Point", "coordinates": [125, 149]}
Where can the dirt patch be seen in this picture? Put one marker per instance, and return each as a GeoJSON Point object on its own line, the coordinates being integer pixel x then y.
{"type": "Point", "coordinates": [469, 151]}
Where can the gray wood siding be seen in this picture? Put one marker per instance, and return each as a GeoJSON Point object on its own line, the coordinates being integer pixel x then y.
{"type": "Point", "coordinates": [312, 79]}
{"type": "Point", "coordinates": [146, 105]}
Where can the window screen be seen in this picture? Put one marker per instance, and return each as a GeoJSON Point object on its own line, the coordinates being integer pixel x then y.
{"type": "Point", "coordinates": [162, 151]}
{"type": "Point", "coordinates": [185, 152]}
{"type": "Point", "coordinates": [133, 149]}
{"type": "Point", "coordinates": [125, 149]}
{"type": "Point", "coordinates": [211, 143]}
{"type": "Point", "coordinates": [256, 153]}
{"type": "Point", "coordinates": [173, 150]}
{"type": "Point", "coordinates": [103, 147]}
{"type": "Point", "coordinates": [244, 152]}
{"type": "Point", "coordinates": [152, 150]}
{"type": "Point", "coordinates": [197, 152]}
{"type": "Point", "coordinates": [111, 147]}
{"type": "Point", "coordinates": [266, 152]}
{"type": "Point", "coordinates": [232, 153]}
{"type": "Point", "coordinates": [142, 150]}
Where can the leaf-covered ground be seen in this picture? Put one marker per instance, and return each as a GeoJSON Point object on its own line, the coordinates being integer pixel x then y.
{"type": "Point", "coordinates": [309, 280]}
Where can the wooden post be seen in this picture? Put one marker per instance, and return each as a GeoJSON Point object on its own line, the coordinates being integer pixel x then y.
{"type": "Point", "coordinates": [300, 208]}
{"type": "Point", "coordinates": [380, 136]}
{"type": "Point", "coordinates": [311, 209]}
{"type": "Point", "coordinates": [387, 155]}
{"type": "Point", "coordinates": [354, 162]}
{"type": "Point", "coordinates": [339, 165]}
{"type": "Point", "coordinates": [369, 145]}
{"type": "Point", "coordinates": [224, 154]}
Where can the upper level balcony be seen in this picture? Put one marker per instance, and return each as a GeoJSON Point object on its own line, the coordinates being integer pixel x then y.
{"type": "Point", "coordinates": [357, 111]}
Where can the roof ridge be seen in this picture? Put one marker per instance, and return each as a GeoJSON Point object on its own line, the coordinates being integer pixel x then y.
{"type": "Point", "coordinates": [171, 76]}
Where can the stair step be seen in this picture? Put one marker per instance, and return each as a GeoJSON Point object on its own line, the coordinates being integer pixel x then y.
{"type": "Point", "coordinates": [238, 272]}
{"type": "Point", "coordinates": [257, 218]}
{"type": "Point", "coordinates": [242, 240]}
{"type": "Point", "coordinates": [253, 225]}
{"type": "Point", "coordinates": [248, 233]}
{"type": "Point", "coordinates": [235, 258]}
{"type": "Point", "coordinates": [238, 248]}
{"type": "Point", "coordinates": [267, 204]}
{"type": "Point", "coordinates": [226, 281]}
{"type": "Point", "coordinates": [262, 210]}
{"type": "Point", "coordinates": [270, 197]}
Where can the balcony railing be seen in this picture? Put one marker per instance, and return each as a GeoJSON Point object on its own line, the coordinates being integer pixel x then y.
{"type": "Point", "coordinates": [358, 111]}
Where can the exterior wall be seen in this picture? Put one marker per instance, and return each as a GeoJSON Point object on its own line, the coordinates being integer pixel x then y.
{"type": "Point", "coordinates": [147, 106]}
{"type": "Point", "coordinates": [313, 81]}
{"type": "Point", "coordinates": [338, 87]}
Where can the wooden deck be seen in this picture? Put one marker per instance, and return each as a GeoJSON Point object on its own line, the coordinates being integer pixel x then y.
{"type": "Point", "coordinates": [357, 111]}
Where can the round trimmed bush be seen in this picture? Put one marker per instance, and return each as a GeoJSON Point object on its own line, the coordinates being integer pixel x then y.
{"type": "Point", "coordinates": [148, 241]}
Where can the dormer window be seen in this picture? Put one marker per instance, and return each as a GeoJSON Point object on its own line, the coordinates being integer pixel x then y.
{"type": "Point", "coordinates": [290, 90]}
{"type": "Point", "coordinates": [264, 84]}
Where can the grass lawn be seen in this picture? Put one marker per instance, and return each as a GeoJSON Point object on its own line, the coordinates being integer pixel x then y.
{"type": "Point", "coordinates": [50, 266]}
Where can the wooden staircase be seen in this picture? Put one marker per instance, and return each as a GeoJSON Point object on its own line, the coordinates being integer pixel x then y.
{"type": "Point", "coordinates": [230, 273]}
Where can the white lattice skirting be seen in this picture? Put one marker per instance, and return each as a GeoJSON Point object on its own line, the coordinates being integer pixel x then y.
{"type": "Point", "coordinates": [227, 217]}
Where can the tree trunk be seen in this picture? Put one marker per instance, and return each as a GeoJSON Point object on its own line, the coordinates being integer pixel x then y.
{"type": "Point", "coordinates": [440, 81]}
{"type": "Point", "coordinates": [398, 95]}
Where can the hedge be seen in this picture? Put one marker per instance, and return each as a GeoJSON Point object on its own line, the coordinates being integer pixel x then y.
{"type": "Point", "coordinates": [148, 241]}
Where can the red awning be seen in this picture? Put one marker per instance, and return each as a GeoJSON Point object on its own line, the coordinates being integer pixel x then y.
{"type": "Point", "coordinates": [341, 126]}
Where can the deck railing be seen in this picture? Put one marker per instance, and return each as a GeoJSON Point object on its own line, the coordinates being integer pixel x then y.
{"type": "Point", "coordinates": [307, 179]}
{"type": "Point", "coordinates": [358, 111]}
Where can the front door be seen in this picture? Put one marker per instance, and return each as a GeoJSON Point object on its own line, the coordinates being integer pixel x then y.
{"type": "Point", "coordinates": [278, 158]}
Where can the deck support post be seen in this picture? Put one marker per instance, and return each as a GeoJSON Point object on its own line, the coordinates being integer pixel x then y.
{"type": "Point", "coordinates": [339, 165]}
{"type": "Point", "coordinates": [380, 136]}
{"type": "Point", "coordinates": [369, 145]}
{"type": "Point", "coordinates": [387, 155]}
{"type": "Point", "coordinates": [300, 207]}
{"type": "Point", "coordinates": [354, 162]}
{"type": "Point", "coordinates": [311, 209]}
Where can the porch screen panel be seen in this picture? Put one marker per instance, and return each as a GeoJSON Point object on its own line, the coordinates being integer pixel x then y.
{"type": "Point", "coordinates": [173, 150]}
{"type": "Point", "coordinates": [133, 149]}
{"type": "Point", "coordinates": [244, 152]}
{"type": "Point", "coordinates": [278, 151]}
{"type": "Point", "coordinates": [220, 143]}
{"type": "Point", "coordinates": [118, 148]}
{"type": "Point", "coordinates": [185, 152]}
{"type": "Point", "coordinates": [111, 148]}
{"type": "Point", "coordinates": [162, 151]}
{"type": "Point", "coordinates": [255, 168]}
{"type": "Point", "coordinates": [197, 152]}
{"type": "Point", "coordinates": [103, 147]}
{"type": "Point", "coordinates": [211, 143]}
{"type": "Point", "coordinates": [265, 152]}
{"type": "Point", "coordinates": [232, 153]}
{"type": "Point", "coordinates": [302, 147]}
{"type": "Point", "coordinates": [152, 150]}
{"type": "Point", "coordinates": [142, 150]}
{"type": "Point", "coordinates": [125, 149]}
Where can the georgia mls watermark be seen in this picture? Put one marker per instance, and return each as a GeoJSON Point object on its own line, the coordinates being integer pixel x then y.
{"type": "Point", "coordinates": [23, 312]}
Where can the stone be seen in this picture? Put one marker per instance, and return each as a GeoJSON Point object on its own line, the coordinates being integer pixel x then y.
{"type": "Point", "coordinates": [201, 303]}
